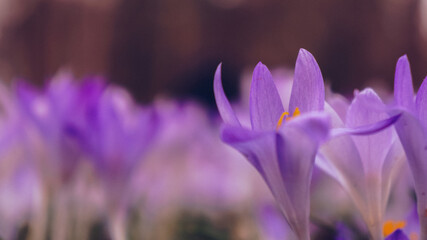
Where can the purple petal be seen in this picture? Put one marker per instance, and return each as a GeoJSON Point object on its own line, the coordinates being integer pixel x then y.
{"type": "Point", "coordinates": [251, 144]}
{"type": "Point", "coordinates": [421, 103]}
{"type": "Point", "coordinates": [265, 104]}
{"type": "Point", "coordinates": [403, 89]}
{"type": "Point", "coordinates": [314, 124]}
{"type": "Point", "coordinates": [366, 129]}
{"type": "Point", "coordinates": [360, 115]}
{"type": "Point", "coordinates": [297, 145]}
{"type": "Point", "coordinates": [414, 140]}
{"type": "Point", "coordinates": [224, 107]}
{"type": "Point", "coordinates": [340, 158]}
{"type": "Point", "coordinates": [272, 223]}
{"type": "Point", "coordinates": [397, 235]}
{"type": "Point", "coordinates": [308, 90]}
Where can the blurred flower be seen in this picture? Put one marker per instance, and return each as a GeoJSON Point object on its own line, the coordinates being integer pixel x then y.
{"type": "Point", "coordinates": [283, 155]}
{"type": "Point", "coordinates": [115, 133]}
{"type": "Point", "coordinates": [52, 110]}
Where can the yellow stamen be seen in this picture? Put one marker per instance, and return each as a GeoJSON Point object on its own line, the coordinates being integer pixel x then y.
{"type": "Point", "coordinates": [279, 123]}
{"type": "Point", "coordinates": [295, 114]}
{"type": "Point", "coordinates": [390, 226]}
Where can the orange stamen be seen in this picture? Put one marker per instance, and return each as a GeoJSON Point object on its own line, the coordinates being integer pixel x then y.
{"type": "Point", "coordinates": [280, 122]}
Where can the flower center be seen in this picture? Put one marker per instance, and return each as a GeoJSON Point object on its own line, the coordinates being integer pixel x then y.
{"type": "Point", "coordinates": [286, 114]}
{"type": "Point", "coordinates": [390, 226]}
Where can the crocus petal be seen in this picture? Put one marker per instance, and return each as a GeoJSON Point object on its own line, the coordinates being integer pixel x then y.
{"type": "Point", "coordinates": [272, 223]}
{"type": "Point", "coordinates": [421, 103]}
{"type": "Point", "coordinates": [340, 158]}
{"type": "Point", "coordinates": [414, 140]}
{"type": "Point", "coordinates": [391, 167]}
{"type": "Point", "coordinates": [314, 124]}
{"type": "Point", "coordinates": [260, 150]}
{"type": "Point", "coordinates": [403, 89]}
{"type": "Point", "coordinates": [397, 235]}
{"type": "Point", "coordinates": [297, 145]}
{"type": "Point", "coordinates": [265, 104]}
{"type": "Point", "coordinates": [308, 90]}
{"type": "Point", "coordinates": [224, 107]}
{"type": "Point", "coordinates": [366, 129]}
{"type": "Point", "coordinates": [249, 143]}
{"type": "Point", "coordinates": [359, 115]}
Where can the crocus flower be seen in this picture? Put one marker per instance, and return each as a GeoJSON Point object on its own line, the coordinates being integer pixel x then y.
{"type": "Point", "coordinates": [282, 151]}
{"type": "Point", "coordinates": [412, 131]}
{"type": "Point", "coordinates": [115, 133]}
{"type": "Point", "coordinates": [52, 110]}
{"type": "Point", "coordinates": [365, 172]}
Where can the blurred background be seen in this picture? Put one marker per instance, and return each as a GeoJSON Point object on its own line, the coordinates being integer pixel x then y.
{"type": "Point", "coordinates": [189, 185]}
{"type": "Point", "coordinates": [173, 47]}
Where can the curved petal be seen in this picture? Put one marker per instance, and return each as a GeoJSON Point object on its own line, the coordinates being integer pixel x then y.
{"type": "Point", "coordinates": [366, 129]}
{"type": "Point", "coordinates": [316, 125]}
{"type": "Point", "coordinates": [265, 104]}
{"type": "Point", "coordinates": [421, 103]}
{"type": "Point", "coordinates": [413, 137]}
{"type": "Point", "coordinates": [251, 144]}
{"type": "Point", "coordinates": [403, 89]}
{"type": "Point", "coordinates": [224, 107]}
{"type": "Point", "coordinates": [308, 90]}
{"type": "Point", "coordinates": [297, 145]}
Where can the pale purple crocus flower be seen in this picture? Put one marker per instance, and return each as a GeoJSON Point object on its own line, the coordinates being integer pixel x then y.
{"type": "Point", "coordinates": [283, 155]}
{"type": "Point", "coordinates": [115, 133]}
{"type": "Point", "coordinates": [44, 117]}
{"type": "Point", "coordinates": [412, 131]}
{"type": "Point", "coordinates": [364, 165]}
{"type": "Point", "coordinates": [52, 110]}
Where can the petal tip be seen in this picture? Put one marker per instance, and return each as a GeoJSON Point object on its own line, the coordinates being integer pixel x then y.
{"type": "Point", "coordinates": [260, 66]}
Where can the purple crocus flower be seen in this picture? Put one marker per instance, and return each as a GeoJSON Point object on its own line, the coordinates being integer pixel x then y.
{"type": "Point", "coordinates": [282, 153]}
{"type": "Point", "coordinates": [60, 104]}
{"type": "Point", "coordinates": [115, 133]}
{"type": "Point", "coordinates": [365, 172]}
{"type": "Point", "coordinates": [412, 131]}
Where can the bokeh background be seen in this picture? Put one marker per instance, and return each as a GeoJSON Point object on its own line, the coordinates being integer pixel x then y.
{"type": "Point", "coordinates": [187, 184]}
{"type": "Point", "coordinates": [172, 47]}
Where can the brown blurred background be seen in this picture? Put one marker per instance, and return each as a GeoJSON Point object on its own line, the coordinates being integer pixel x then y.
{"type": "Point", "coordinates": [172, 47]}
